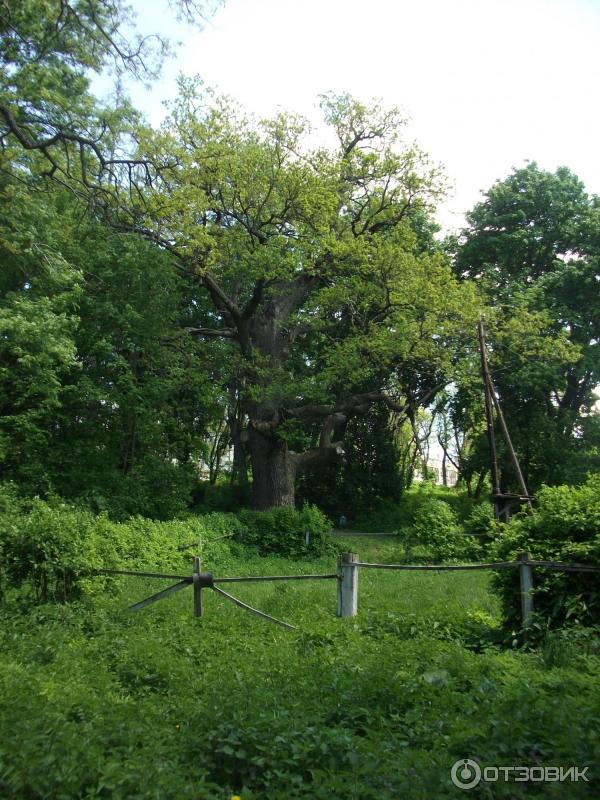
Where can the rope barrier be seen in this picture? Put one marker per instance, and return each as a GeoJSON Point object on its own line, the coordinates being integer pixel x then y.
{"type": "Point", "coordinates": [346, 577]}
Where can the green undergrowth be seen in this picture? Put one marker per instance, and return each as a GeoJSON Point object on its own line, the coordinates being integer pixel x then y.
{"type": "Point", "coordinates": [565, 527]}
{"type": "Point", "coordinates": [435, 524]}
{"type": "Point", "coordinates": [51, 549]}
{"type": "Point", "coordinates": [102, 703]}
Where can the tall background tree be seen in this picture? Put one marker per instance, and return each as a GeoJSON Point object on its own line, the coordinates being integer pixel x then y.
{"type": "Point", "coordinates": [532, 247]}
{"type": "Point", "coordinates": [101, 400]}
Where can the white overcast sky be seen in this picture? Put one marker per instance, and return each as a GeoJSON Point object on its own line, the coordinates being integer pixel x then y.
{"type": "Point", "coordinates": [487, 84]}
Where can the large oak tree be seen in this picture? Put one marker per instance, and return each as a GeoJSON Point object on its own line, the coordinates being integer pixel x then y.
{"type": "Point", "coordinates": [312, 257]}
{"type": "Point", "coordinates": [314, 265]}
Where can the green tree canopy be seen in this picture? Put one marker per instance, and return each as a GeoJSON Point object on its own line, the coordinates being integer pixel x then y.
{"type": "Point", "coordinates": [532, 246]}
{"type": "Point", "coordinates": [317, 263]}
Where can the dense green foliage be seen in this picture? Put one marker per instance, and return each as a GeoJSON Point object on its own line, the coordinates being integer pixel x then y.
{"type": "Point", "coordinates": [53, 550]}
{"type": "Point", "coordinates": [533, 247]}
{"type": "Point", "coordinates": [366, 476]}
{"type": "Point", "coordinates": [565, 527]}
{"type": "Point", "coordinates": [286, 531]}
{"type": "Point", "coordinates": [101, 400]}
{"type": "Point", "coordinates": [158, 704]}
{"type": "Point", "coordinates": [167, 293]}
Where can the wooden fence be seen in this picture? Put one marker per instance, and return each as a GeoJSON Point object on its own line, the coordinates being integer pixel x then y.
{"type": "Point", "coordinates": [349, 564]}
{"type": "Point", "coordinates": [346, 576]}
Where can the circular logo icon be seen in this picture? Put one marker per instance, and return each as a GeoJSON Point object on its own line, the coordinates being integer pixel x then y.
{"type": "Point", "coordinates": [465, 773]}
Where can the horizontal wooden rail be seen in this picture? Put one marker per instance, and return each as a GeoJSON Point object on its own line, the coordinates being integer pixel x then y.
{"type": "Point", "coordinates": [564, 566]}
{"type": "Point", "coordinates": [248, 578]}
{"type": "Point", "coordinates": [143, 574]}
{"type": "Point", "coordinates": [347, 582]}
{"type": "Point", "coordinates": [437, 567]}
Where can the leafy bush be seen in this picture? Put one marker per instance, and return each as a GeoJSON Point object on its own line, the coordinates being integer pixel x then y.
{"type": "Point", "coordinates": [154, 488]}
{"type": "Point", "coordinates": [565, 526]}
{"type": "Point", "coordinates": [10, 502]}
{"type": "Point", "coordinates": [209, 497]}
{"type": "Point", "coordinates": [481, 522]}
{"type": "Point", "coordinates": [283, 531]}
{"type": "Point", "coordinates": [436, 526]}
{"type": "Point", "coordinates": [49, 548]}
{"type": "Point", "coordinates": [53, 548]}
{"type": "Point", "coordinates": [398, 516]}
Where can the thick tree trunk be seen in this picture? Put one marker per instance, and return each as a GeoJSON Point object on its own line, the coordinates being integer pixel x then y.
{"type": "Point", "coordinates": [273, 471]}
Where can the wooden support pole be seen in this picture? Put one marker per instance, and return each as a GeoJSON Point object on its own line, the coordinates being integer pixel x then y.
{"type": "Point", "coordinates": [489, 414]}
{"type": "Point", "coordinates": [197, 587]}
{"type": "Point", "coordinates": [509, 444]}
{"type": "Point", "coordinates": [177, 587]}
{"type": "Point", "coordinates": [526, 580]}
{"type": "Point", "coordinates": [347, 596]}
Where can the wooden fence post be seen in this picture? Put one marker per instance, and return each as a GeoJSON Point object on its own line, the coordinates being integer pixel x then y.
{"type": "Point", "coordinates": [197, 587]}
{"type": "Point", "coordinates": [526, 580]}
{"type": "Point", "coordinates": [347, 594]}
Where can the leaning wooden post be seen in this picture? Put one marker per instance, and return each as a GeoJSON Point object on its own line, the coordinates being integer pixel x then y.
{"type": "Point", "coordinates": [347, 596]}
{"type": "Point", "coordinates": [197, 587]}
{"type": "Point", "coordinates": [526, 579]}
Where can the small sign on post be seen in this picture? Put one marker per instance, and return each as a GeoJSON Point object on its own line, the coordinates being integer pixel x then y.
{"type": "Point", "coordinates": [197, 587]}
{"type": "Point", "coordinates": [526, 579]}
{"type": "Point", "coordinates": [347, 597]}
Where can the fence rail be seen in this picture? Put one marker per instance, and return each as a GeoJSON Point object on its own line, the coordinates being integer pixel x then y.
{"type": "Point", "coordinates": [349, 565]}
{"type": "Point", "coordinates": [249, 578]}
{"type": "Point", "coordinates": [439, 567]}
{"type": "Point", "coordinates": [347, 582]}
{"type": "Point", "coordinates": [557, 566]}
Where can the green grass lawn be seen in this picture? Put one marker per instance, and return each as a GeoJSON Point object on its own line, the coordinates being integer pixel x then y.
{"type": "Point", "coordinates": [101, 703]}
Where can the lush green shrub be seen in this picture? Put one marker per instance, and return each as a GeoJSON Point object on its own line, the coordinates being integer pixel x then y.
{"type": "Point", "coordinates": [283, 531]}
{"type": "Point", "coordinates": [565, 526]}
{"type": "Point", "coordinates": [461, 504]}
{"type": "Point", "coordinates": [10, 502]}
{"type": "Point", "coordinates": [153, 488]}
{"type": "Point", "coordinates": [53, 548]}
{"type": "Point", "coordinates": [481, 522]}
{"type": "Point", "coordinates": [435, 525]}
{"type": "Point", "coordinates": [49, 548]}
{"type": "Point", "coordinates": [398, 516]}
